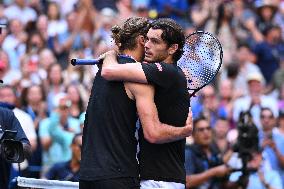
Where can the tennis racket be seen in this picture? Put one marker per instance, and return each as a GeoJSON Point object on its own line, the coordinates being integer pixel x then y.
{"type": "Point", "coordinates": [201, 60]}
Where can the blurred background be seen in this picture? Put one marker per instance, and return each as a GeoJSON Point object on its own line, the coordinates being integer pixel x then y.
{"type": "Point", "coordinates": [42, 36]}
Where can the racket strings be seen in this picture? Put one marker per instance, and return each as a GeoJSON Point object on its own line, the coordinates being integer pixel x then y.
{"type": "Point", "coordinates": [201, 59]}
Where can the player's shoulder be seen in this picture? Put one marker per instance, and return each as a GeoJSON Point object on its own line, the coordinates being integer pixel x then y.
{"type": "Point", "coordinates": [162, 66]}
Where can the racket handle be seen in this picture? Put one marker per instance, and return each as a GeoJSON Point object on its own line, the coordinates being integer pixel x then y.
{"type": "Point", "coordinates": [77, 61]}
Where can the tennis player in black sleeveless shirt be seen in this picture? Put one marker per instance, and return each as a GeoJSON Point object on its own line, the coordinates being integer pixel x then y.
{"type": "Point", "coordinates": [109, 143]}
{"type": "Point", "coordinates": [161, 165]}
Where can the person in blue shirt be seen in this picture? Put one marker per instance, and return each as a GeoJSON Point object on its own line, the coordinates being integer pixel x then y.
{"type": "Point", "coordinates": [68, 170]}
{"type": "Point", "coordinates": [203, 163]}
{"type": "Point", "coordinates": [259, 177]}
{"type": "Point", "coordinates": [56, 133]}
{"type": "Point", "coordinates": [174, 9]}
{"type": "Point", "coordinates": [268, 51]}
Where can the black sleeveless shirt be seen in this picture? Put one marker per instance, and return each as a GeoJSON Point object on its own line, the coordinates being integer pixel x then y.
{"type": "Point", "coordinates": [109, 143]}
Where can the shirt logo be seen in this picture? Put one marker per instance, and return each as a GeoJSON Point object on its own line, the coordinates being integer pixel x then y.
{"type": "Point", "coordinates": [160, 68]}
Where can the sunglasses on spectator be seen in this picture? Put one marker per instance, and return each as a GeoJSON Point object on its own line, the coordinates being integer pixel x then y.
{"type": "Point", "coordinates": [208, 95]}
{"type": "Point", "coordinates": [266, 116]}
{"type": "Point", "coordinates": [202, 129]}
{"type": "Point", "coordinates": [63, 107]}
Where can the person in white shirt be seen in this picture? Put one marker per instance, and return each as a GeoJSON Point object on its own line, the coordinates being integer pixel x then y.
{"type": "Point", "coordinates": [21, 11]}
{"type": "Point", "coordinates": [255, 100]}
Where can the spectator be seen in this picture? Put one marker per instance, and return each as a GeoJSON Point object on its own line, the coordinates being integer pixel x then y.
{"type": "Point", "coordinates": [208, 106]}
{"type": "Point", "coordinates": [42, 26]}
{"type": "Point", "coordinates": [201, 11]}
{"type": "Point", "coordinates": [125, 9]}
{"type": "Point", "coordinates": [204, 167]}
{"type": "Point", "coordinates": [277, 78]}
{"type": "Point", "coordinates": [78, 105]}
{"type": "Point", "coordinates": [87, 16]}
{"type": "Point", "coordinates": [265, 12]}
{"type": "Point", "coordinates": [221, 26]}
{"type": "Point", "coordinates": [8, 95]}
{"type": "Point", "coordinates": [226, 99]}
{"type": "Point", "coordinates": [7, 74]}
{"type": "Point", "coordinates": [15, 42]}
{"type": "Point", "coordinates": [69, 170]}
{"type": "Point", "coordinates": [271, 141]}
{"type": "Point", "coordinates": [279, 133]}
{"type": "Point", "coordinates": [54, 84]}
{"type": "Point", "coordinates": [73, 38]}
{"type": "Point", "coordinates": [102, 36]}
{"type": "Point", "coordinates": [254, 100]}
{"type": "Point", "coordinates": [56, 133]}
{"type": "Point", "coordinates": [56, 25]}
{"type": "Point", "coordinates": [258, 178]}
{"type": "Point", "coordinates": [46, 58]}
{"type": "Point", "coordinates": [33, 102]}
{"type": "Point", "coordinates": [3, 21]}
{"type": "Point", "coordinates": [221, 130]}
{"type": "Point", "coordinates": [245, 60]}
{"type": "Point", "coordinates": [279, 17]}
{"type": "Point", "coordinates": [241, 14]}
{"type": "Point", "coordinates": [176, 10]}
{"type": "Point", "coordinates": [66, 6]}
{"type": "Point", "coordinates": [30, 74]}
{"type": "Point", "coordinates": [20, 10]}
{"type": "Point", "coordinates": [268, 51]}
{"type": "Point", "coordinates": [281, 98]}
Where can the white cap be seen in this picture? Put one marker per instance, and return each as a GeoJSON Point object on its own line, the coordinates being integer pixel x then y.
{"type": "Point", "coordinates": [255, 76]}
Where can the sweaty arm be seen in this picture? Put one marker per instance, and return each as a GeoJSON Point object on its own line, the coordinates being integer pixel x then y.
{"type": "Point", "coordinates": [154, 131]}
{"type": "Point", "coordinates": [132, 72]}
{"type": "Point", "coordinates": [158, 74]}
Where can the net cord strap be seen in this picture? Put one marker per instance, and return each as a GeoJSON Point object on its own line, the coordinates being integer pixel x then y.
{"type": "Point", "coordinates": [43, 183]}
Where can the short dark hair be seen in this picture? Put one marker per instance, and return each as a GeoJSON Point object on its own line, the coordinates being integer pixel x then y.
{"type": "Point", "coordinates": [197, 120]}
{"type": "Point", "coordinates": [270, 27]}
{"type": "Point", "coordinates": [173, 33]}
{"type": "Point", "coordinates": [262, 109]}
{"type": "Point", "coordinates": [125, 35]}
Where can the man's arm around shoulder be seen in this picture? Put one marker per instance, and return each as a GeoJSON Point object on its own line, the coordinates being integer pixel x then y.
{"type": "Point", "coordinates": [131, 72]}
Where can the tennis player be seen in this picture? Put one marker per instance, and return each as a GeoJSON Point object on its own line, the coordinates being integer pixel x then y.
{"type": "Point", "coordinates": [161, 165]}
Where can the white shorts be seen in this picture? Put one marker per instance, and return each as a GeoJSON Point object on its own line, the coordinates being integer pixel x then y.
{"type": "Point", "coordinates": [152, 184]}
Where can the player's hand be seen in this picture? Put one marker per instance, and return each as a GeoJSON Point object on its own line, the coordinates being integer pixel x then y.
{"type": "Point", "coordinates": [110, 58]}
{"type": "Point", "coordinates": [189, 123]}
{"type": "Point", "coordinates": [111, 53]}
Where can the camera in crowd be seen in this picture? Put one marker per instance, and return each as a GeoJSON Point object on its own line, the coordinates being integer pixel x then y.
{"type": "Point", "coordinates": [10, 149]}
{"type": "Point", "coordinates": [247, 140]}
{"type": "Point", "coordinates": [247, 143]}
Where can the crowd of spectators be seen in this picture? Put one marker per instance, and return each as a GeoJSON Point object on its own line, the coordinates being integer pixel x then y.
{"type": "Point", "coordinates": [51, 95]}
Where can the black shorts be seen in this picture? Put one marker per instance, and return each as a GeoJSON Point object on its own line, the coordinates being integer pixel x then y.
{"type": "Point", "coordinates": [114, 183]}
